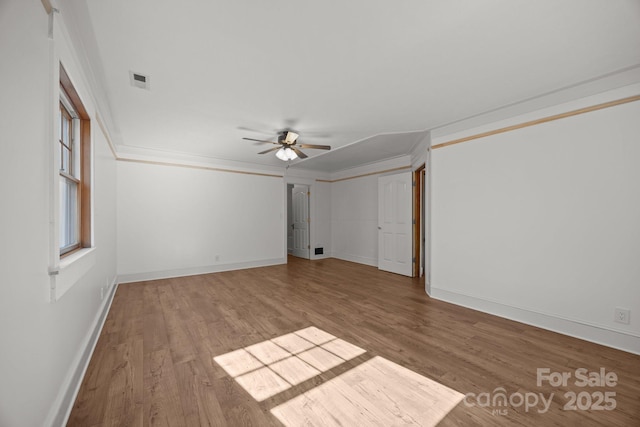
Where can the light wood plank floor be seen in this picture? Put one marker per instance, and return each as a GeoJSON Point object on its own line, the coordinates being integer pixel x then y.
{"type": "Point", "coordinates": [153, 364]}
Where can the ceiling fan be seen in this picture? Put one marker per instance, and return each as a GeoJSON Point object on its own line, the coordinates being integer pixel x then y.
{"type": "Point", "coordinates": [287, 146]}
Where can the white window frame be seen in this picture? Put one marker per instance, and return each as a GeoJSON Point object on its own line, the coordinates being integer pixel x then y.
{"type": "Point", "coordinates": [72, 176]}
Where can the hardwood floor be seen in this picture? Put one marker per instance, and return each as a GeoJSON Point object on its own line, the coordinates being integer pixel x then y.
{"type": "Point", "coordinates": [154, 361]}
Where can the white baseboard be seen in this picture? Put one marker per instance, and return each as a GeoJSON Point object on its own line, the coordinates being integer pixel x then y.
{"type": "Point", "coordinates": [71, 386]}
{"type": "Point", "coordinates": [373, 262]}
{"type": "Point", "coordinates": [181, 272]}
{"type": "Point", "coordinates": [598, 334]}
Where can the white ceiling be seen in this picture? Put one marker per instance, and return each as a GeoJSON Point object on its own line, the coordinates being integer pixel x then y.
{"type": "Point", "coordinates": [363, 152]}
{"type": "Point", "coordinates": [337, 71]}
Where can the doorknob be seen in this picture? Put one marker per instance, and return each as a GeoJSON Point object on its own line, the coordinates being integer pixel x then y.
{"type": "Point", "coordinates": [379, 228]}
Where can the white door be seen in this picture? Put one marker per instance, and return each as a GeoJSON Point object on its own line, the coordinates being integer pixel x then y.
{"type": "Point", "coordinates": [395, 243]}
{"type": "Point", "coordinates": [300, 201]}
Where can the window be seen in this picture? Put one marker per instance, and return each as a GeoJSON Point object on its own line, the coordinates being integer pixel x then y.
{"type": "Point", "coordinates": [74, 169]}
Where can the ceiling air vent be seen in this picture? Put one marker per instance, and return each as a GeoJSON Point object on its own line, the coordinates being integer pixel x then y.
{"type": "Point", "coordinates": [139, 80]}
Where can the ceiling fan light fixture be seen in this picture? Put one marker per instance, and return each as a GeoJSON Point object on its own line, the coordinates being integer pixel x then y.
{"type": "Point", "coordinates": [290, 137]}
{"type": "Point", "coordinates": [286, 154]}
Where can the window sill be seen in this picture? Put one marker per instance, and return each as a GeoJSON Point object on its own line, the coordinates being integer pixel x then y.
{"type": "Point", "coordinates": [70, 270]}
{"type": "Point", "coordinates": [74, 256]}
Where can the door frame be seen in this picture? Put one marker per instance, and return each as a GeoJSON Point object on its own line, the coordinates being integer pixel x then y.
{"type": "Point", "coordinates": [311, 183]}
{"type": "Point", "coordinates": [418, 227]}
{"type": "Point", "coordinates": [305, 191]}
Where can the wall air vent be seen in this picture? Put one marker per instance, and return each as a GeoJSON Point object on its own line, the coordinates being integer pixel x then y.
{"type": "Point", "coordinates": [139, 80]}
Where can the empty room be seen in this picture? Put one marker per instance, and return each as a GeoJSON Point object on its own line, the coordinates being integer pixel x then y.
{"type": "Point", "coordinates": [285, 213]}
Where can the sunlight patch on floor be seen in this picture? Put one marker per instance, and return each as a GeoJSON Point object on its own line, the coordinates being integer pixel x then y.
{"type": "Point", "coordinates": [376, 393]}
{"type": "Point", "coordinates": [273, 366]}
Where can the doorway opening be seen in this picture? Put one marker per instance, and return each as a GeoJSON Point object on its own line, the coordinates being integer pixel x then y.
{"type": "Point", "coordinates": [298, 221]}
{"type": "Point", "coordinates": [419, 222]}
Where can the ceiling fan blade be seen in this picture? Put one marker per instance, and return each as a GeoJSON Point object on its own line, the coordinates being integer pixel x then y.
{"type": "Point", "coordinates": [299, 153]}
{"type": "Point", "coordinates": [260, 140]}
{"type": "Point", "coordinates": [317, 147]}
{"type": "Point", "coordinates": [290, 137]}
{"type": "Point", "coordinates": [269, 150]}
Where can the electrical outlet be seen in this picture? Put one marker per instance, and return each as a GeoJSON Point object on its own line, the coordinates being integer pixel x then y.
{"type": "Point", "coordinates": [622, 315]}
{"type": "Point", "coordinates": [101, 294]}
{"type": "Point", "coordinates": [217, 258]}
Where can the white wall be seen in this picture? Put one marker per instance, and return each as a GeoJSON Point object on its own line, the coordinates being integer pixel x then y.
{"type": "Point", "coordinates": [322, 219]}
{"type": "Point", "coordinates": [542, 224]}
{"type": "Point", "coordinates": [354, 211]}
{"type": "Point", "coordinates": [43, 343]}
{"type": "Point", "coordinates": [175, 221]}
{"type": "Point", "coordinates": [294, 190]}
{"type": "Point", "coordinates": [354, 220]}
